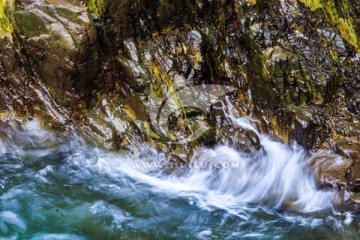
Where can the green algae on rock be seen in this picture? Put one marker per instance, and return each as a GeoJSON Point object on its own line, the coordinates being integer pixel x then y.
{"type": "Point", "coordinates": [339, 15]}
{"type": "Point", "coordinates": [97, 7]}
{"type": "Point", "coordinates": [5, 23]}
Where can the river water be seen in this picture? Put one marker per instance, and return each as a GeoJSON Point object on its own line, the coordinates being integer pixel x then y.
{"type": "Point", "coordinates": [54, 188]}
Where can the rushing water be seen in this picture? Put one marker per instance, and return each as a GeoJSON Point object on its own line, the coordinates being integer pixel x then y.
{"type": "Point", "coordinates": [53, 188]}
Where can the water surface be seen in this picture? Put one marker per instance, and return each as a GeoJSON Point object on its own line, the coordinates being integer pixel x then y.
{"type": "Point", "coordinates": [52, 188]}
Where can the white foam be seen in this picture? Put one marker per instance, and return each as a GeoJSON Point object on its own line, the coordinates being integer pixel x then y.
{"type": "Point", "coordinates": [2, 148]}
{"type": "Point", "coordinates": [9, 220]}
{"type": "Point", "coordinates": [227, 179]}
{"type": "Point", "coordinates": [54, 236]}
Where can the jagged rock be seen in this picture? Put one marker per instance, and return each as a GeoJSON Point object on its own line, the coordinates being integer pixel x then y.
{"type": "Point", "coordinates": [253, 138]}
{"type": "Point", "coordinates": [108, 68]}
{"type": "Point", "coordinates": [60, 41]}
{"type": "Point", "coordinates": [330, 169]}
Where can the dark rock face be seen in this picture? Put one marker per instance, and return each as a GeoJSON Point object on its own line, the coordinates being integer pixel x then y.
{"type": "Point", "coordinates": [61, 43]}
{"type": "Point", "coordinates": [50, 59]}
{"type": "Point", "coordinates": [104, 66]}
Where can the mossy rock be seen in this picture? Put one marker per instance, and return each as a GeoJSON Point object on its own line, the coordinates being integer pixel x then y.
{"type": "Point", "coordinates": [29, 24]}
{"type": "Point", "coordinates": [5, 23]}
{"type": "Point", "coordinates": [339, 14]}
{"type": "Point", "coordinates": [96, 7]}
{"type": "Point", "coordinates": [68, 14]}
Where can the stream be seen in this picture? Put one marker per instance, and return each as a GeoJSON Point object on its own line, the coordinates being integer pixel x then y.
{"type": "Point", "coordinates": [55, 188]}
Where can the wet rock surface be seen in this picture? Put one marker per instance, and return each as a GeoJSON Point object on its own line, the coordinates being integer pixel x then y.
{"type": "Point", "coordinates": [108, 68]}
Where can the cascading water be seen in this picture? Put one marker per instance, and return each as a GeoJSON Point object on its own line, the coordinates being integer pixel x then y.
{"type": "Point", "coordinates": [56, 189]}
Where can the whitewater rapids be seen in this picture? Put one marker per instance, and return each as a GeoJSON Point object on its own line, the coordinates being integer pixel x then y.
{"type": "Point", "coordinates": [61, 189]}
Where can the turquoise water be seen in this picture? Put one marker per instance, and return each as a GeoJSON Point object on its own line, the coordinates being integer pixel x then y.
{"type": "Point", "coordinates": [53, 188]}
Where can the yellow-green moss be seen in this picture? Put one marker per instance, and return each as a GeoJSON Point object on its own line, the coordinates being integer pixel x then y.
{"type": "Point", "coordinates": [331, 12]}
{"type": "Point", "coordinates": [161, 77]}
{"type": "Point", "coordinates": [280, 132]}
{"type": "Point", "coordinates": [96, 6]}
{"type": "Point", "coordinates": [348, 33]}
{"type": "Point", "coordinates": [30, 24]}
{"type": "Point", "coordinates": [252, 2]}
{"type": "Point", "coordinates": [5, 24]}
{"type": "Point", "coordinates": [344, 24]}
{"type": "Point", "coordinates": [4, 115]}
{"type": "Point", "coordinates": [312, 4]}
{"type": "Point", "coordinates": [334, 55]}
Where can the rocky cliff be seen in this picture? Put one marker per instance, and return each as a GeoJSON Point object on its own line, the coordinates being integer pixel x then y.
{"type": "Point", "coordinates": [105, 68]}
